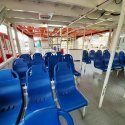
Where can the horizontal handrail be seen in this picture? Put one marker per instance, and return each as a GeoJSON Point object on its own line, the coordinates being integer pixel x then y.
{"type": "Point", "coordinates": [5, 63]}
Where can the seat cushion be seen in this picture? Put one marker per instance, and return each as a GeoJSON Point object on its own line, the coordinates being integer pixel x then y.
{"type": "Point", "coordinates": [71, 100]}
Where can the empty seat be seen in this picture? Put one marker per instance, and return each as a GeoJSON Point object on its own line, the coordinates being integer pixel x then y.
{"type": "Point", "coordinates": [98, 62]}
{"type": "Point", "coordinates": [116, 62]}
{"type": "Point", "coordinates": [91, 54]}
{"type": "Point", "coordinates": [53, 60]}
{"type": "Point", "coordinates": [69, 59]}
{"type": "Point", "coordinates": [99, 52]}
{"type": "Point", "coordinates": [105, 51]}
{"type": "Point", "coordinates": [38, 59]}
{"type": "Point", "coordinates": [85, 57]}
{"type": "Point", "coordinates": [26, 58]}
{"type": "Point", "coordinates": [60, 56]}
{"type": "Point", "coordinates": [39, 89]}
{"type": "Point", "coordinates": [68, 96]}
{"type": "Point", "coordinates": [37, 56]}
{"type": "Point", "coordinates": [106, 57]}
{"type": "Point", "coordinates": [10, 98]}
{"type": "Point", "coordinates": [46, 57]}
{"type": "Point", "coordinates": [49, 116]}
{"type": "Point", "coordinates": [21, 67]}
{"type": "Point", "coordinates": [122, 58]}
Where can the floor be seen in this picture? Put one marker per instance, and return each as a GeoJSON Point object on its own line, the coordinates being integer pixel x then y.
{"type": "Point", "coordinates": [113, 109]}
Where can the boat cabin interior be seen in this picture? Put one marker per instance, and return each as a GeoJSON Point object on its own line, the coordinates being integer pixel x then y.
{"type": "Point", "coordinates": [62, 62]}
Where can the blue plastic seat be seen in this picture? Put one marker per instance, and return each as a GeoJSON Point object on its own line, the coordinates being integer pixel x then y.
{"type": "Point", "coordinates": [69, 59]}
{"type": "Point", "coordinates": [85, 57]}
{"type": "Point", "coordinates": [10, 98]}
{"type": "Point", "coordinates": [116, 62]}
{"type": "Point", "coordinates": [98, 62]}
{"type": "Point", "coordinates": [106, 57]}
{"type": "Point", "coordinates": [21, 67]}
{"type": "Point", "coordinates": [122, 58]}
{"type": "Point", "coordinates": [37, 56]}
{"type": "Point", "coordinates": [106, 51]}
{"type": "Point", "coordinates": [39, 89]}
{"type": "Point", "coordinates": [91, 54]}
{"type": "Point", "coordinates": [99, 52]}
{"type": "Point", "coordinates": [47, 116]}
{"type": "Point", "coordinates": [46, 57]}
{"type": "Point", "coordinates": [38, 59]}
{"type": "Point", "coordinates": [68, 96]}
{"type": "Point", "coordinates": [60, 56]}
{"type": "Point", "coordinates": [53, 60]}
{"type": "Point", "coordinates": [26, 58]}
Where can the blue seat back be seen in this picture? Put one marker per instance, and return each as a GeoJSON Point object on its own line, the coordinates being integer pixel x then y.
{"type": "Point", "coordinates": [38, 87]}
{"type": "Point", "coordinates": [26, 57]}
{"type": "Point", "coordinates": [21, 67]}
{"type": "Point", "coordinates": [116, 61]}
{"type": "Point", "coordinates": [92, 54]}
{"type": "Point", "coordinates": [10, 97]}
{"type": "Point", "coordinates": [98, 60]}
{"type": "Point", "coordinates": [106, 57]}
{"type": "Point", "coordinates": [69, 59]}
{"type": "Point", "coordinates": [53, 60]}
{"type": "Point", "coordinates": [60, 56]}
{"type": "Point", "coordinates": [47, 56]}
{"type": "Point", "coordinates": [105, 51]}
{"type": "Point", "coordinates": [122, 58]}
{"type": "Point", "coordinates": [99, 52]}
{"type": "Point", "coordinates": [63, 76]}
{"type": "Point", "coordinates": [37, 56]}
{"type": "Point", "coordinates": [49, 116]}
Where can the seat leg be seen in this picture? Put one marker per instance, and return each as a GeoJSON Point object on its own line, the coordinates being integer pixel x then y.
{"type": "Point", "coordinates": [83, 111]}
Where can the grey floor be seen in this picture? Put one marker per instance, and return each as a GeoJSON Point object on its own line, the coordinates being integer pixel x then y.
{"type": "Point", "coordinates": [113, 109]}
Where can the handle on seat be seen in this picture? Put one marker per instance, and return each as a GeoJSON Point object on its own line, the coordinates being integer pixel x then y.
{"type": "Point", "coordinates": [67, 117]}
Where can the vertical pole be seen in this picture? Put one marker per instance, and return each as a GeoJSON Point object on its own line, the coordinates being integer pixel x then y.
{"type": "Point", "coordinates": [67, 40]}
{"type": "Point", "coordinates": [115, 41]}
{"type": "Point", "coordinates": [48, 35]}
{"type": "Point", "coordinates": [17, 39]}
{"type": "Point", "coordinates": [109, 39]}
{"type": "Point", "coordinates": [3, 52]}
{"type": "Point", "coordinates": [60, 36]}
{"type": "Point", "coordinates": [11, 40]}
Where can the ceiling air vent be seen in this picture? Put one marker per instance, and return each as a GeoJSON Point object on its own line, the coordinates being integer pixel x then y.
{"type": "Point", "coordinates": [45, 16]}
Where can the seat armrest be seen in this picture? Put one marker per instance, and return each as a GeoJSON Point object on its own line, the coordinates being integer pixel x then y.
{"type": "Point", "coordinates": [67, 117]}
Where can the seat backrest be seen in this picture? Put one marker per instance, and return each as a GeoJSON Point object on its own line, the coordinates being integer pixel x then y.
{"type": "Point", "coordinates": [53, 60]}
{"type": "Point", "coordinates": [69, 59]}
{"type": "Point", "coordinates": [26, 57]}
{"type": "Point", "coordinates": [37, 56]}
{"type": "Point", "coordinates": [99, 52]}
{"type": "Point", "coordinates": [106, 57]}
{"type": "Point", "coordinates": [116, 60]}
{"type": "Point", "coordinates": [41, 117]}
{"type": "Point", "coordinates": [10, 97]}
{"type": "Point", "coordinates": [47, 55]}
{"type": "Point", "coordinates": [92, 54]}
{"type": "Point", "coordinates": [122, 57]}
{"type": "Point", "coordinates": [63, 76]}
{"type": "Point", "coordinates": [106, 51]}
{"type": "Point", "coordinates": [60, 56]}
{"type": "Point", "coordinates": [20, 66]}
{"type": "Point", "coordinates": [98, 60]}
{"type": "Point", "coordinates": [38, 85]}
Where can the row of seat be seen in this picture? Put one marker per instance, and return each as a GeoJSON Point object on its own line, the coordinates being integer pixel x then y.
{"type": "Point", "coordinates": [21, 65]}
{"type": "Point", "coordinates": [101, 59]}
{"type": "Point", "coordinates": [39, 94]}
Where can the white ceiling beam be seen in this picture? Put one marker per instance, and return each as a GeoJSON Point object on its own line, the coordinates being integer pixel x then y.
{"type": "Point", "coordinates": [45, 8]}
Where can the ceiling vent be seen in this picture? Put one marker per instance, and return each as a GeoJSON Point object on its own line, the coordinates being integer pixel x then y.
{"type": "Point", "coordinates": [45, 16]}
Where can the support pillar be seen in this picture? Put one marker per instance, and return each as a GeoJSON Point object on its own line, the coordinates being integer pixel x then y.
{"type": "Point", "coordinates": [67, 40]}
{"type": "Point", "coordinates": [11, 40]}
{"type": "Point", "coordinates": [17, 40]}
{"type": "Point", "coordinates": [115, 41]}
{"type": "Point", "coordinates": [3, 51]}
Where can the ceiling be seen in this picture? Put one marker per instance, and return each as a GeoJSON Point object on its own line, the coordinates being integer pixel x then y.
{"type": "Point", "coordinates": [31, 16]}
